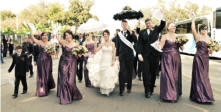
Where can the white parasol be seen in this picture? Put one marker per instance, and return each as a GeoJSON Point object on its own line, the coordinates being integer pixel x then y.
{"type": "Point", "coordinates": [91, 25]}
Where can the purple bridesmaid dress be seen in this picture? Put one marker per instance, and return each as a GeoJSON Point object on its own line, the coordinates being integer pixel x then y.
{"type": "Point", "coordinates": [45, 80]}
{"type": "Point", "coordinates": [201, 90]}
{"type": "Point", "coordinates": [170, 72]}
{"type": "Point", "coordinates": [90, 48]}
{"type": "Point", "coordinates": [67, 89]}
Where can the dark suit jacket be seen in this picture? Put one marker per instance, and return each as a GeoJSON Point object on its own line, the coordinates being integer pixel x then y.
{"type": "Point", "coordinates": [81, 42]}
{"type": "Point", "coordinates": [21, 65]}
{"type": "Point", "coordinates": [145, 40]}
{"type": "Point", "coordinates": [36, 52]}
{"type": "Point", "coordinates": [122, 50]}
{"type": "Point", "coordinates": [27, 48]}
{"type": "Point", "coordinates": [114, 40]}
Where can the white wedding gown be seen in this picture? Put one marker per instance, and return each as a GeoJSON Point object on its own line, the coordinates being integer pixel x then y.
{"type": "Point", "coordinates": [101, 73]}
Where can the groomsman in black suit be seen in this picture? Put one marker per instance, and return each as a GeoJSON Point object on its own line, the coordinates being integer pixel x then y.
{"type": "Point", "coordinates": [126, 54]}
{"type": "Point", "coordinates": [80, 60]}
{"type": "Point", "coordinates": [147, 54]}
{"type": "Point", "coordinates": [27, 48]}
{"type": "Point", "coordinates": [21, 64]}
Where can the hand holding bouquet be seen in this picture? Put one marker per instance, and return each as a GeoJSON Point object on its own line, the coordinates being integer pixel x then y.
{"type": "Point", "coordinates": [50, 49]}
{"type": "Point", "coordinates": [213, 45]}
{"type": "Point", "coordinates": [181, 40]}
{"type": "Point", "coordinates": [79, 50]}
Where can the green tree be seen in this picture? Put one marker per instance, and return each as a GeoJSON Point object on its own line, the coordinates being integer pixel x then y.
{"type": "Point", "coordinates": [78, 12]}
{"type": "Point", "coordinates": [6, 14]}
{"type": "Point", "coordinates": [205, 11]}
{"type": "Point", "coordinates": [8, 22]}
{"type": "Point", "coordinates": [56, 13]}
{"type": "Point", "coordinates": [38, 15]}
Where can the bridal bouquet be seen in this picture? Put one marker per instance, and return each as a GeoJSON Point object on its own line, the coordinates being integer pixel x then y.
{"type": "Point", "coordinates": [79, 50]}
{"type": "Point", "coordinates": [213, 45]}
{"type": "Point", "coordinates": [50, 49]}
{"type": "Point", "coordinates": [181, 40]}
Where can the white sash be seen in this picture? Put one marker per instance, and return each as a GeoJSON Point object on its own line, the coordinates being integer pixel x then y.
{"type": "Point", "coordinates": [128, 43]}
{"type": "Point", "coordinates": [156, 45]}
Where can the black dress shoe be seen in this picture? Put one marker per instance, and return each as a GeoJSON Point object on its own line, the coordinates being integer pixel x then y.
{"type": "Point", "coordinates": [129, 91]}
{"type": "Point", "coordinates": [24, 92]}
{"type": "Point", "coordinates": [147, 95]}
{"type": "Point", "coordinates": [15, 96]}
{"type": "Point", "coordinates": [121, 94]}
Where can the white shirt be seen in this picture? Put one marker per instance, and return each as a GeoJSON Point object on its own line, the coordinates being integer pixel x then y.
{"type": "Point", "coordinates": [148, 31]}
{"type": "Point", "coordinates": [124, 32]}
{"type": "Point", "coordinates": [81, 39]}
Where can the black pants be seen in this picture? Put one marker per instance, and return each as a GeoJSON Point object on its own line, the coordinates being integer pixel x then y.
{"type": "Point", "coordinates": [11, 48]}
{"type": "Point", "coordinates": [17, 82]}
{"type": "Point", "coordinates": [30, 65]}
{"type": "Point", "coordinates": [154, 69]}
{"type": "Point", "coordinates": [150, 71]}
{"type": "Point", "coordinates": [147, 76]}
{"type": "Point", "coordinates": [135, 64]}
{"type": "Point", "coordinates": [140, 69]}
{"type": "Point", "coordinates": [80, 62]}
{"type": "Point", "coordinates": [125, 74]}
{"type": "Point", "coordinates": [5, 51]}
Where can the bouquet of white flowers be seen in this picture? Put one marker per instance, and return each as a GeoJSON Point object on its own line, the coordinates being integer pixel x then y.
{"type": "Point", "coordinates": [181, 40]}
{"type": "Point", "coordinates": [79, 50]}
{"type": "Point", "coordinates": [213, 45]}
{"type": "Point", "coordinates": [50, 49]}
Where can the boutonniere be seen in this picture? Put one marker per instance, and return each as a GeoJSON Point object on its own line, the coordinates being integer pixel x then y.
{"type": "Point", "coordinates": [126, 34]}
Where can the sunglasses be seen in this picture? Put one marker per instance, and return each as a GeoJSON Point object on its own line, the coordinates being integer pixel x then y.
{"type": "Point", "coordinates": [204, 28]}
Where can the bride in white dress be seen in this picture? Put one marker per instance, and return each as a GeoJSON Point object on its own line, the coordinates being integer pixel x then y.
{"type": "Point", "coordinates": [103, 67]}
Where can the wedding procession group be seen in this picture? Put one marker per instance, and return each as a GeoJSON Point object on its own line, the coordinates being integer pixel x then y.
{"type": "Point", "coordinates": [109, 62]}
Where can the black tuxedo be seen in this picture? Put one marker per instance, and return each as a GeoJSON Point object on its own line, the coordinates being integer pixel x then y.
{"type": "Point", "coordinates": [114, 40]}
{"type": "Point", "coordinates": [126, 58]}
{"type": "Point", "coordinates": [80, 62]}
{"type": "Point", "coordinates": [149, 55]}
{"type": "Point", "coordinates": [28, 49]}
{"type": "Point", "coordinates": [21, 67]}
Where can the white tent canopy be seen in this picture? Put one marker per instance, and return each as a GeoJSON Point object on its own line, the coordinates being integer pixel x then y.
{"type": "Point", "coordinates": [91, 25]}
